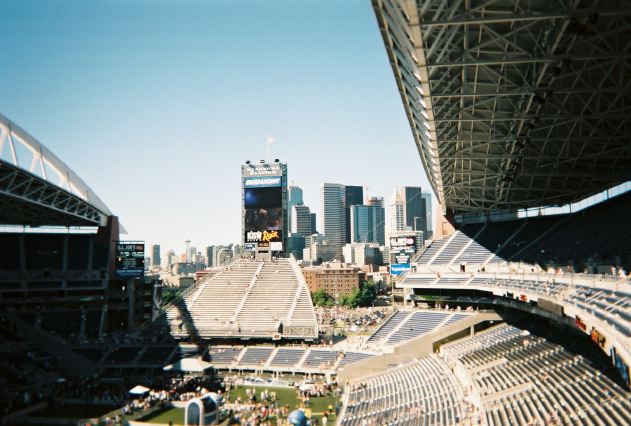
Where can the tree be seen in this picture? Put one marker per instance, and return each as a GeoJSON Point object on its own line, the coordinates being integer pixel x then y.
{"type": "Point", "coordinates": [367, 294]}
{"type": "Point", "coordinates": [322, 298]}
{"type": "Point", "coordinates": [350, 300]}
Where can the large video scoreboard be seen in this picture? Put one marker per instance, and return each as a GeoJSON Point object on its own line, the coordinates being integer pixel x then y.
{"type": "Point", "coordinates": [130, 259]}
{"type": "Point", "coordinates": [264, 206]}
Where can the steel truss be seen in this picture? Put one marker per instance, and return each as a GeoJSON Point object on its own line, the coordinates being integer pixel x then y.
{"type": "Point", "coordinates": [36, 188]}
{"type": "Point", "coordinates": [514, 103]}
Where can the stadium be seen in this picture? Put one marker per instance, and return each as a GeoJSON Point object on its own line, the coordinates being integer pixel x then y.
{"type": "Point", "coordinates": [518, 312]}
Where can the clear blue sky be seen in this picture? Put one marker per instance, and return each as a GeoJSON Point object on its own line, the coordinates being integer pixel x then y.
{"type": "Point", "coordinates": [156, 104]}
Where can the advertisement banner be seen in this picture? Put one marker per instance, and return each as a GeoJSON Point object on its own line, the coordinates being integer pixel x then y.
{"type": "Point", "coordinates": [405, 244]}
{"type": "Point", "coordinates": [265, 236]}
{"type": "Point", "coordinates": [399, 268]}
{"type": "Point", "coordinates": [262, 182]}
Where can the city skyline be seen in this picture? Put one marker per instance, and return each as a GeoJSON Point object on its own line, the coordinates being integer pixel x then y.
{"type": "Point", "coordinates": [385, 221]}
{"type": "Point", "coordinates": [157, 111]}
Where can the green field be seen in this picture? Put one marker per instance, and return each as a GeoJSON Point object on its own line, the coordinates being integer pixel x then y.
{"type": "Point", "coordinates": [173, 414]}
{"type": "Point", "coordinates": [284, 397]}
{"type": "Point", "coordinates": [289, 396]}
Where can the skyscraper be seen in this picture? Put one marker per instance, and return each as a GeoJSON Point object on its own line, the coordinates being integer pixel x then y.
{"type": "Point", "coordinates": [367, 223]}
{"type": "Point", "coordinates": [314, 224]}
{"type": "Point", "coordinates": [209, 255]}
{"type": "Point", "coordinates": [155, 255]}
{"type": "Point", "coordinates": [379, 215]}
{"type": "Point", "coordinates": [301, 220]}
{"type": "Point", "coordinates": [414, 213]}
{"type": "Point", "coordinates": [333, 215]}
{"type": "Point", "coordinates": [354, 197]}
{"type": "Point", "coordinates": [295, 198]}
{"type": "Point", "coordinates": [411, 210]}
{"type": "Point", "coordinates": [428, 230]}
{"type": "Point", "coordinates": [397, 211]}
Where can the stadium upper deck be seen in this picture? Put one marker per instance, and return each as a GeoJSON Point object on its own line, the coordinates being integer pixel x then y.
{"type": "Point", "coordinates": [37, 188]}
{"type": "Point", "coordinates": [514, 103]}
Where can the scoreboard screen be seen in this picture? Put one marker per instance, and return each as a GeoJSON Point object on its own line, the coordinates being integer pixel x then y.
{"type": "Point", "coordinates": [130, 259]}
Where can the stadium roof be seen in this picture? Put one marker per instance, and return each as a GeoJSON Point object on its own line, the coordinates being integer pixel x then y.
{"type": "Point", "coordinates": [514, 103]}
{"type": "Point", "coordinates": [38, 189]}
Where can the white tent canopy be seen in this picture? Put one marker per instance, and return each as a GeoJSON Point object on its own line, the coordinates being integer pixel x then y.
{"type": "Point", "coordinates": [190, 365]}
{"type": "Point", "coordinates": [139, 390]}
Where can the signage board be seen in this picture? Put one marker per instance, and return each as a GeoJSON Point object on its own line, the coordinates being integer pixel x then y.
{"type": "Point", "coordinates": [265, 236]}
{"type": "Point", "coordinates": [262, 182]}
{"type": "Point", "coordinates": [403, 244]}
{"type": "Point", "coordinates": [130, 259]}
{"type": "Point", "coordinates": [399, 268]}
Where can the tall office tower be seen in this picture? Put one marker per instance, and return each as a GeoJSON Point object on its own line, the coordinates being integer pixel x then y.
{"type": "Point", "coordinates": [428, 230]}
{"type": "Point", "coordinates": [397, 211]}
{"type": "Point", "coordinates": [264, 208]}
{"type": "Point", "coordinates": [301, 220]}
{"type": "Point", "coordinates": [294, 194]}
{"type": "Point", "coordinates": [190, 254]}
{"type": "Point", "coordinates": [155, 255]}
{"type": "Point", "coordinates": [379, 215]}
{"type": "Point", "coordinates": [410, 210]}
{"type": "Point", "coordinates": [209, 255]}
{"type": "Point", "coordinates": [354, 197]}
{"type": "Point", "coordinates": [314, 224]}
{"type": "Point", "coordinates": [215, 255]}
{"type": "Point", "coordinates": [333, 216]}
{"type": "Point", "coordinates": [170, 258]}
{"type": "Point", "coordinates": [367, 224]}
{"type": "Point", "coordinates": [414, 213]}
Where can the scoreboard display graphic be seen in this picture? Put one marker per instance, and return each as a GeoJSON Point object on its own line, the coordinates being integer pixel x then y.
{"type": "Point", "coordinates": [130, 259]}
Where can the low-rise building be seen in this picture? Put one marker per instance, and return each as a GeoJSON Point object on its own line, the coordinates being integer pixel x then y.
{"type": "Point", "coordinates": [334, 278]}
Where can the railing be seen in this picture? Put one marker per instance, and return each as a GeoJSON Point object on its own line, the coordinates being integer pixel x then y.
{"type": "Point", "coordinates": [248, 290]}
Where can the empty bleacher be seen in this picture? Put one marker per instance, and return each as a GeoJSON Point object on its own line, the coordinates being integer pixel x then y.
{"type": "Point", "coordinates": [320, 358]}
{"type": "Point", "coordinates": [223, 355]}
{"type": "Point", "coordinates": [420, 392]}
{"type": "Point", "coordinates": [577, 240]}
{"type": "Point", "coordinates": [264, 309]}
{"type": "Point", "coordinates": [455, 244]}
{"type": "Point", "coordinates": [525, 380]}
{"type": "Point", "coordinates": [353, 357]}
{"type": "Point", "coordinates": [430, 252]}
{"type": "Point", "coordinates": [253, 299]}
{"type": "Point", "coordinates": [387, 327]}
{"type": "Point", "coordinates": [419, 323]}
{"type": "Point", "coordinates": [287, 357]}
{"type": "Point", "coordinates": [256, 355]}
{"type": "Point", "coordinates": [411, 324]}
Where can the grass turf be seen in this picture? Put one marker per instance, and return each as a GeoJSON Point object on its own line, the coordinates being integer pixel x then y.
{"type": "Point", "coordinates": [288, 396]}
{"type": "Point", "coordinates": [173, 414]}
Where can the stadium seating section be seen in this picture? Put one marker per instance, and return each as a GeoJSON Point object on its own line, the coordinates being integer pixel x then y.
{"type": "Point", "coordinates": [524, 380]}
{"type": "Point", "coordinates": [404, 326]}
{"type": "Point", "coordinates": [255, 299]}
{"type": "Point", "coordinates": [501, 376]}
{"type": "Point", "coordinates": [421, 392]}
{"type": "Point", "coordinates": [580, 240]}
